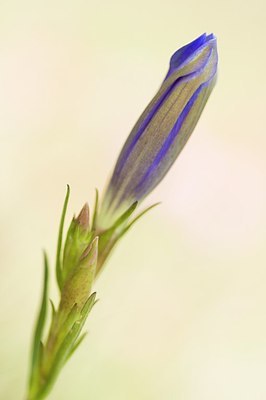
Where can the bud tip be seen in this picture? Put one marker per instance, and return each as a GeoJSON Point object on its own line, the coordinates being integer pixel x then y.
{"type": "Point", "coordinates": [83, 218]}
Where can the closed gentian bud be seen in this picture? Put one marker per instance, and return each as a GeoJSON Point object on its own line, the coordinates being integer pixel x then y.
{"type": "Point", "coordinates": [164, 127]}
{"type": "Point", "coordinates": [77, 288]}
{"type": "Point", "coordinates": [77, 240]}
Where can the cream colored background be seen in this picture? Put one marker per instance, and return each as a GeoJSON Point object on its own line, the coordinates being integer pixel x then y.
{"type": "Point", "coordinates": [182, 311]}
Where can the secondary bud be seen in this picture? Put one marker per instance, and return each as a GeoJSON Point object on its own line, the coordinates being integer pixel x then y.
{"type": "Point", "coordinates": [77, 240]}
{"type": "Point", "coordinates": [78, 285]}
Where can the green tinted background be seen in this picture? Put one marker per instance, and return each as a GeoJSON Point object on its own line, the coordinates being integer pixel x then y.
{"type": "Point", "coordinates": [182, 301]}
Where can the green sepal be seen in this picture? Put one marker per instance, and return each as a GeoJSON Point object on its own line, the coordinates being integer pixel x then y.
{"type": "Point", "coordinates": [125, 216]}
{"type": "Point", "coordinates": [59, 241]}
{"type": "Point", "coordinates": [110, 237]}
{"type": "Point", "coordinates": [107, 238]}
{"type": "Point", "coordinates": [106, 235]}
{"type": "Point", "coordinates": [137, 218]}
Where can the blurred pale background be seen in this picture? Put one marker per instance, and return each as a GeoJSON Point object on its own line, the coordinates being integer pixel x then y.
{"type": "Point", "coordinates": [182, 311]}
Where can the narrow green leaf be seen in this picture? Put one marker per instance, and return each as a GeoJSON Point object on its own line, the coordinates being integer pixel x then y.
{"type": "Point", "coordinates": [36, 347]}
{"type": "Point", "coordinates": [59, 241]}
{"type": "Point", "coordinates": [95, 212]}
{"type": "Point", "coordinates": [88, 306]}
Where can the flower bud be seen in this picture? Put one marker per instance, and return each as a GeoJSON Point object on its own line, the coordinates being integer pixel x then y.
{"type": "Point", "coordinates": [77, 240]}
{"type": "Point", "coordinates": [77, 288]}
{"type": "Point", "coordinates": [164, 127]}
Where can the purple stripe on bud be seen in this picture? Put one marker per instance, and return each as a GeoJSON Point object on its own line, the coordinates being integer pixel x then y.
{"type": "Point", "coordinates": [167, 143]}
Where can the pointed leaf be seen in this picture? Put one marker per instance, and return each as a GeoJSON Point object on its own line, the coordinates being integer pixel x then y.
{"type": "Point", "coordinates": [59, 242]}
{"type": "Point", "coordinates": [124, 217]}
{"type": "Point", "coordinates": [95, 213]}
{"type": "Point", "coordinates": [88, 306]}
{"type": "Point", "coordinates": [36, 348]}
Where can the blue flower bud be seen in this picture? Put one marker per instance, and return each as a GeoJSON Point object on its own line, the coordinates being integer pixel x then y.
{"type": "Point", "coordinates": [165, 126]}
